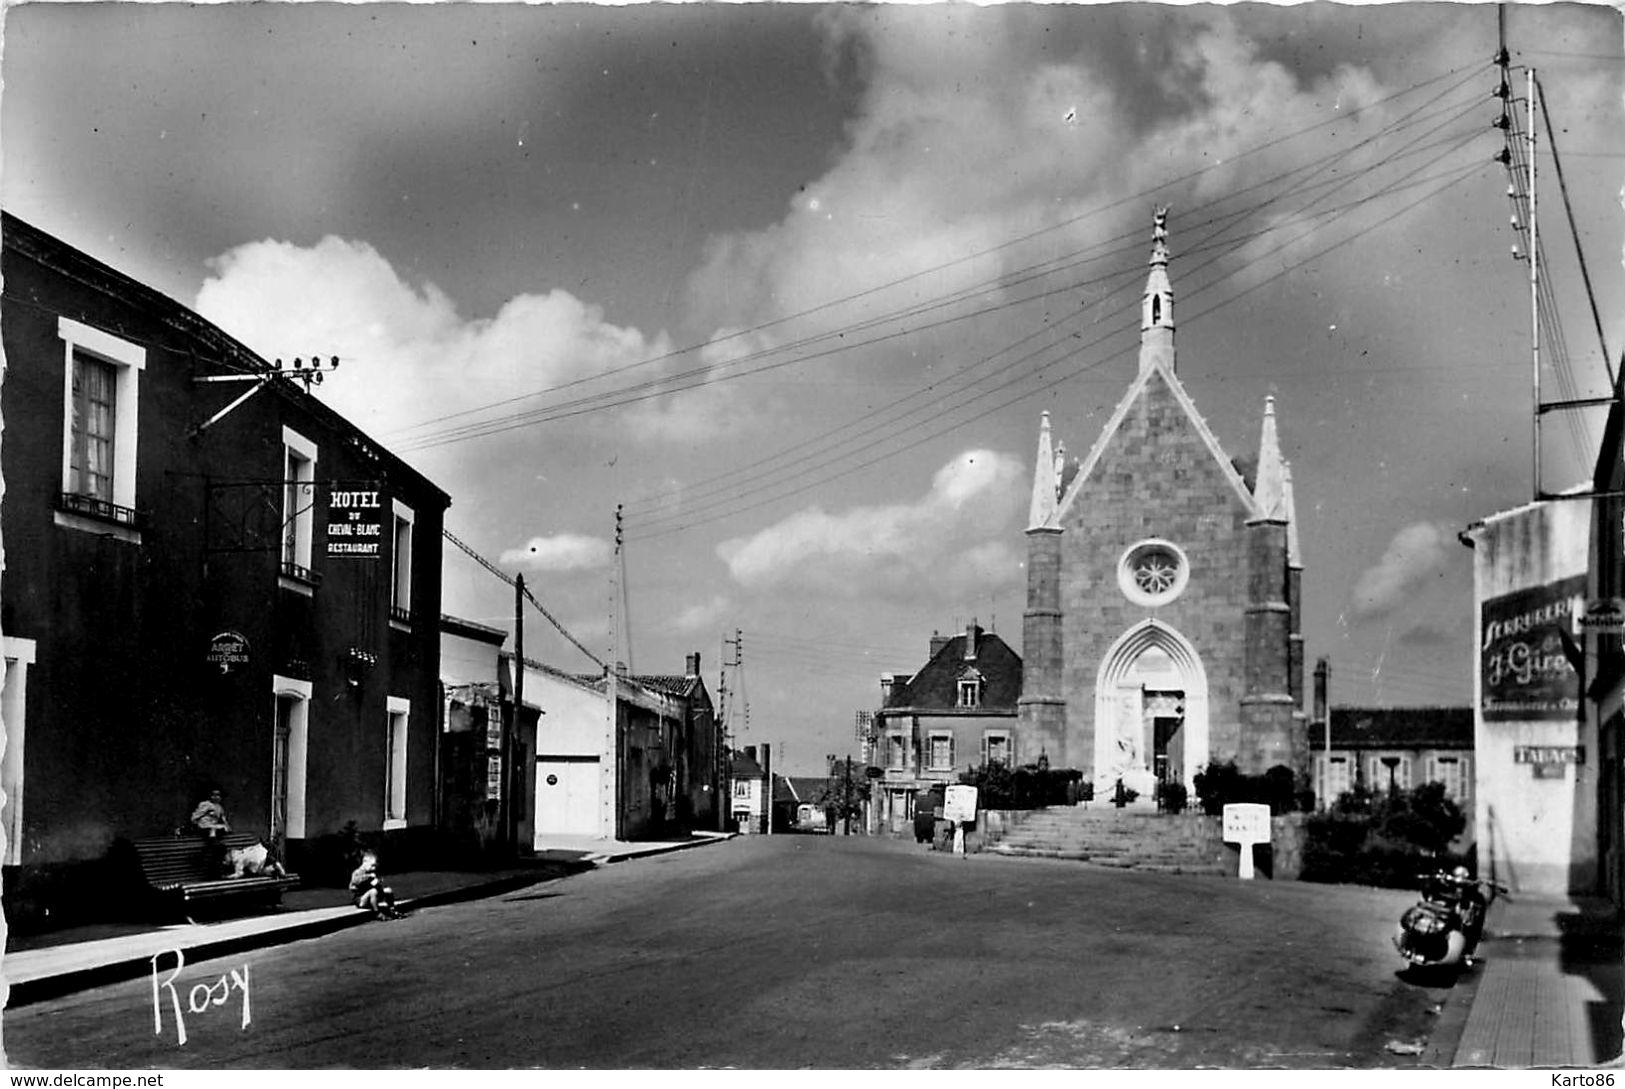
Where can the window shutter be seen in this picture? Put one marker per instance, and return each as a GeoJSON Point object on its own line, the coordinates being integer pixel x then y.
{"type": "Point", "coordinates": [984, 747]}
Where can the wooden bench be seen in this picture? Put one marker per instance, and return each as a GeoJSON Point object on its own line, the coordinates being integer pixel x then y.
{"type": "Point", "coordinates": [178, 869]}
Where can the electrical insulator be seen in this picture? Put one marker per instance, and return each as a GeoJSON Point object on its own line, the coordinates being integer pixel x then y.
{"type": "Point", "coordinates": [1515, 224]}
{"type": "Point", "coordinates": [1502, 91]}
{"type": "Point", "coordinates": [1501, 122]}
{"type": "Point", "coordinates": [1503, 156]}
{"type": "Point", "coordinates": [1517, 254]}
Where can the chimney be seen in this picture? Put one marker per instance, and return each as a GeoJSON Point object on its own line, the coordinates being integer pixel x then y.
{"type": "Point", "coordinates": [750, 752]}
{"type": "Point", "coordinates": [693, 667]}
{"type": "Point", "coordinates": [1323, 676]}
{"type": "Point", "coordinates": [886, 680]}
{"type": "Point", "coordinates": [972, 630]}
{"type": "Point", "coordinates": [937, 643]}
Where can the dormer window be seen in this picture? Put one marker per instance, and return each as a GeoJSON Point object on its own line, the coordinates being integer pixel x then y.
{"type": "Point", "coordinates": [970, 690]}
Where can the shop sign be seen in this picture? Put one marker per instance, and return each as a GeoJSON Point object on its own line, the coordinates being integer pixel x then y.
{"type": "Point", "coordinates": [1604, 617]}
{"type": "Point", "coordinates": [355, 521]}
{"type": "Point", "coordinates": [1549, 754]}
{"type": "Point", "coordinates": [228, 652]}
{"type": "Point", "coordinates": [493, 778]}
{"type": "Point", "coordinates": [1524, 666]}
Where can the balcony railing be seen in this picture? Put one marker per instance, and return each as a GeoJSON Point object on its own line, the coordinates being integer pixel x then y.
{"type": "Point", "coordinates": [301, 573]}
{"type": "Point", "coordinates": [92, 507]}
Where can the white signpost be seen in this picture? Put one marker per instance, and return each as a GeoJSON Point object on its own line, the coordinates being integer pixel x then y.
{"type": "Point", "coordinates": [959, 806]}
{"type": "Point", "coordinates": [1246, 823]}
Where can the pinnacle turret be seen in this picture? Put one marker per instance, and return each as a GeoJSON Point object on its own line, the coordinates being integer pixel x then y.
{"type": "Point", "coordinates": [1157, 307]}
{"type": "Point", "coordinates": [1046, 480]}
{"type": "Point", "coordinates": [1270, 491]}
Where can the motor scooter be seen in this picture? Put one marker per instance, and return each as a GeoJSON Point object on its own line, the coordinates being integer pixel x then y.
{"type": "Point", "coordinates": [1445, 926]}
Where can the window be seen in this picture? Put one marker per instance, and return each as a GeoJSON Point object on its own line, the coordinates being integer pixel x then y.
{"type": "Point", "coordinates": [741, 788]}
{"type": "Point", "coordinates": [1452, 772]}
{"type": "Point", "coordinates": [898, 749]}
{"type": "Point", "coordinates": [996, 748]}
{"type": "Point", "coordinates": [298, 505]}
{"type": "Point", "coordinates": [19, 655]}
{"type": "Point", "coordinates": [1336, 779]}
{"type": "Point", "coordinates": [1386, 771]}
{"type": "Point", "coordinates": [288, 748]}
{"type": "Point", "coordinates": [400, 600]}
{"type": "Point", "coordinates": [970, 690]}
{"type": "Point", "coordinates": [400, 711]}
{"type": "Point", "coordinates": [99, 417]}
{"type": "Point", "coordinates": [942, 751]}
{"type": "Point", "coordinates": [95, 408]}
{"type": "Point", "coordinates": [1152, 573]}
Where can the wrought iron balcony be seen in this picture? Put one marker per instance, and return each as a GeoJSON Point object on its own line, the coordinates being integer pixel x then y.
{"type": "Point", "coordinates": [301, 573]}
{"type": "Point", "coordinates": [92, 507]}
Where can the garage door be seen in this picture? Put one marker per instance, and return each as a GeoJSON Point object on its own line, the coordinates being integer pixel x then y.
{"type": "Point", "coordinates": [566, 796]}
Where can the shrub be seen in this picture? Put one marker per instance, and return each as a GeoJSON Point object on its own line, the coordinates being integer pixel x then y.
{"type": "Point", "coordinates": [1172, 796]}
{"type": "Point", "coordinates": [1390, 840]}
{"type": "Point", "coordinates": [1223, 784]}
{"type": "Point", "coordinates": [1032, 786]}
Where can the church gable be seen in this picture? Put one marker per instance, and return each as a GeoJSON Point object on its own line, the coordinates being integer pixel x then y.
{"type": "Point", "coordinates": [1157, 446]}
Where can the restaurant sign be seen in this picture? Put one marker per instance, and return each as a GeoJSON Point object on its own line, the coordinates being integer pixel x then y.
{"type": "Point", "coordinates": [355, 521]}
{"type": "Point", "coordinates": [1525, 668]}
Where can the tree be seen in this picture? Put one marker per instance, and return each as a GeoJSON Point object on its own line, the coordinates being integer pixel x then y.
{"type": "Point", "coordinates": [846, 790]}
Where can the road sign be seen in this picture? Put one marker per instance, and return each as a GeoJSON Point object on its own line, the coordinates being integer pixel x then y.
{"type": "Point", "coordinates": [959, 803]}
{"type": "Point", "coordinates": [1246, 823]}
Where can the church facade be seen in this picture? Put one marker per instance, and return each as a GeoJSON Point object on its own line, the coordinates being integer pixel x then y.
{"type": "Point", "coordinates": [1162, 627]}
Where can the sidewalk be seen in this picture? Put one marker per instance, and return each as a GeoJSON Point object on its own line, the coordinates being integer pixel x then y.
{"type": "Point", "coordinates": [1550, 989]}
{"type": "Point", "coordinates": [42, 966]}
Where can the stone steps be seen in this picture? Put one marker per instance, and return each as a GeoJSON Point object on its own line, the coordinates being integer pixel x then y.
{"type": "Point", "coordinates": [1136, 840]}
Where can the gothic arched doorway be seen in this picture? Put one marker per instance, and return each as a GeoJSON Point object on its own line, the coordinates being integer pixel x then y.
{"type": "Point", "coordinates": [1151, 712]}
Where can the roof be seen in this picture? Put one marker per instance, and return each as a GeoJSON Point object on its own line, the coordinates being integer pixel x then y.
{"type": "Point", "coordinates": [936, 686]}
{"type": "Point", "coordinates": [1397, 728]}
{"type": "Point", "coordinates": [799, 789]}
{"type": "Point", "coordinates": [469, 629]}
{"type": "Point", "coordinates": [743, 767]}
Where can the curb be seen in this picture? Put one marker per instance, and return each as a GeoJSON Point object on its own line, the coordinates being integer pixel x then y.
{"type": "Point", "coordinates": [27, 992]}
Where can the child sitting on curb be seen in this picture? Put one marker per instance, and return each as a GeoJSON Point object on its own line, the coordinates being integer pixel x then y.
{"type": "Point", "coordinates": [369, 892]}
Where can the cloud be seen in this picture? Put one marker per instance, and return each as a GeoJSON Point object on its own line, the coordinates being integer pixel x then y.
{"type": "Point", "coordinates": [1415, 554]}
{"type": "Point", "coordinates": [411, 365]}
{"type": "Point", "coordinates": [702, 616]}
{"type": "Point", "coordinates": [561, 552]}
{"type": "Point", "coordinates": [940, 537]}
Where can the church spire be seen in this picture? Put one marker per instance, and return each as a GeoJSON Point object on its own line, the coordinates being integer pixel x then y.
{"type": "Point", "coordinates": [1157, 307]}
{"type": "Point", "coordinates": [1294, 559]}
{"type": "Point", "coordinates": [1046, 481]}
{"type": "Point", "coordinates": [1270, 492]}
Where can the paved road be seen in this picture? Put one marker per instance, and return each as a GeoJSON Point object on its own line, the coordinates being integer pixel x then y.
{"type": "Point", "coordinates": [794, 952]}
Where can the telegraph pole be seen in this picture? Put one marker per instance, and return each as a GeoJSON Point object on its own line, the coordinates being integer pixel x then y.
{"type": "Point", "coordinates": [510, 742]}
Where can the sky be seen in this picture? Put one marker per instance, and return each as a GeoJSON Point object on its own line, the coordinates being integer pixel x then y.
{"type": "Point", "coordinates": [789, 286]}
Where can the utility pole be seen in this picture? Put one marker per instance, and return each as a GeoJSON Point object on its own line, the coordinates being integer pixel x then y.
{"type": "Point", "coordinates": [846, 808]}
{"type": "Point", "coordinates": [510, 741]}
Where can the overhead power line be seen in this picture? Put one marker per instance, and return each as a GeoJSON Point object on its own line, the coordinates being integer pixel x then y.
{"type": "Point", "coordinates": [421, 435]}
{"type": "Point", "coordinates": [511, 581]}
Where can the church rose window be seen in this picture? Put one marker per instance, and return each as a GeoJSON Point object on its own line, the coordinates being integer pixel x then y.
{"type": "Point", "coordinates": [1153, 573]}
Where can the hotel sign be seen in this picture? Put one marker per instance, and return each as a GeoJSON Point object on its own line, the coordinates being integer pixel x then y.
{"type": "Point", "coordinates": [355, 522]}
{"type": "Point", "coordinates": [1525, 672]}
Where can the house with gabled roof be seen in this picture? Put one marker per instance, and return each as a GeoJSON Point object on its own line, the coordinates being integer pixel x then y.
{"type": "Point", "coordinates": [1162, 626]}
{"type": "Point", "coordinates": [1378, 748]}
{"type": "Point", "coordinates": [960, 710]}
